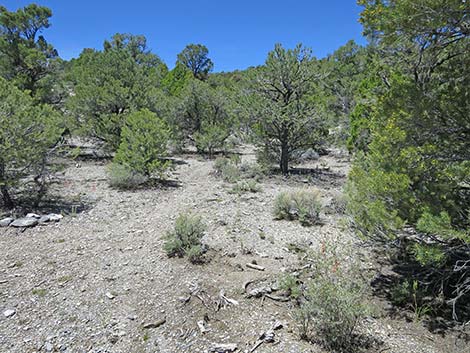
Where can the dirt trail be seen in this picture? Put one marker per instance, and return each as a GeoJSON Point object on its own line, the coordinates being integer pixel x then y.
{"type": "Point", "coordinates": [91, 282]}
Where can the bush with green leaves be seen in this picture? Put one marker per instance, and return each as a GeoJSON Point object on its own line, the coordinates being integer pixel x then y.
{"type": "Point", "coordinates": [143, 146]}
{"type": "Point", "coordinates": [227, 169]}
{"type": "Point", "coordinates": [302, 205]}
{"type": "Point", "coordinates": [110, 84]}
{"type": "Point", "coordinates": [335, 299]}
{"type": "Point", "coordinates": [211, 139]}
{"type": "Point", "coordinates": [28, 135]}
{"type": "Point", "coordinates": [246, 186]}
{"type": "Point", "coordinates": [123, 177]}
{"type": "Point", "coordinates": [291, 286]}
{"type": "Point", "coordinates": [185, 238]}
{"type": "Point", "coordinates": [412, 173]}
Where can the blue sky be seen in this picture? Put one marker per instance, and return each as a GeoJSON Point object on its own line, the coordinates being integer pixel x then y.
{"type": "Point", "coordinates": [238, 33]}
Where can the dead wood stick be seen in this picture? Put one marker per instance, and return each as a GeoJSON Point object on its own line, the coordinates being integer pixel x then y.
{"type": "Point", "coordinates": [255, 267]}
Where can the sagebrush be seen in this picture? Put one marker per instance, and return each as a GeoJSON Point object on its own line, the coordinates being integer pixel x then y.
{"type": "Point", "coordinates": [302, 205]}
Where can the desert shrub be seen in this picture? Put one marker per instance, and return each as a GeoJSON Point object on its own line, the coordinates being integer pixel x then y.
{"type": "Point", "coordinates": [290, 284]}
{"type": "Point", "coordinates": [334, 300]}
{"type": "Point", "coordinates": [123, 177]}
{"type": "Point", "coordinates": [195, 254]}
{"type": "Point", "coordinates": [246, 186]}
{"type": "Point", "coordinates": [227, 170]}
{"type": "Point", "coordinates": [302, 205]}
{"type": "Point", "coordinates": [144, 141]}
{"type": "Point", "coordinates": [185, 238]}
{"type": "Point", "coordinates": [254, 171]}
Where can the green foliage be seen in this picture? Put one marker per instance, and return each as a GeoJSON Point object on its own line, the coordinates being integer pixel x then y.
{"type": "Point", "coordinates": [302, 205]}
{"type": "Point", "coordinates": [246, 186]}
{"type": "Point", "coordinates": [335, 300]}
{"type": "Point", "coordinates": [211, 138]}
{"type": "Point", "coordinates": [286, 117]}
{"type": "Point", "coordinates": [144, 140]}
{"type": "Point", "coordinates": [340, 90]}
{"type": "Point", "coordinates": [111, 84]}
{"type": "Point", "coordinates": [123, 177]}
{"type": "Point", "coordinates": [409, 293]}
{"type": "Point", "coordinates": [428, 255]}
{"type": "Point", "coordinates": [291, 285]}
{"type": "Point", "coordinates": [414, 167]}
{"type": "Point", "coordinates": [185, 239]}
{"type": "Point", "coordinates": [205, 114]}
{"type": "Point", "coordinates": [27, 136]}
{"type": "Point", "coordinates": [440, 225]}
{"type": "Point", "coordinates": [25, 57]}
{"type": "Point", "coordinates": [227, 170]}
{"type": "Point", "coordinates": [176, 80]}
{"type": "Point", "coordinates": [195, 58]}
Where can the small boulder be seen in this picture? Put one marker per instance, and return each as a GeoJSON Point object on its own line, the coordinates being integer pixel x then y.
{"type": "Point", "coordinates": [44, 219]}
{"type": "Point", "coordinates": [9, 312]}
{"type": "Point", "coordinates": [6, 222]}
{"type": "Point", "coordinates": [24, 222]}
{"type": "Point", "coordinates": [33, 215]}
{"type": "Point", "coordinates": [53, 217]}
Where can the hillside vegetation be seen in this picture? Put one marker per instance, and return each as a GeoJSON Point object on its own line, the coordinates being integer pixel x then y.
{"type": "Point", "coordinates": [333, 191]}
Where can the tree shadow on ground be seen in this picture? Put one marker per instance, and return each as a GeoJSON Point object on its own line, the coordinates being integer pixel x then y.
{"type": "Point", "coordinates": [359, 343]}
{"type": "Point", "coordinates": [315, 176]}
{"type": "Point", "coordinates": [423, 305]}
{"type": "Point", "coordinates": [55, 204]}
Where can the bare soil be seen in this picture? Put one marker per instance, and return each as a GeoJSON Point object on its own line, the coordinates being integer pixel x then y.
{"type": "Point", "coordinates": [91, 282]}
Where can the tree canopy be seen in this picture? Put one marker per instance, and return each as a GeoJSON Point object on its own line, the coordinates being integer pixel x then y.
{"type": "Point", "coordinates": [195, 58]}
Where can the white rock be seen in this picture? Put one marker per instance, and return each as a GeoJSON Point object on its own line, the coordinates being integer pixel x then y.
{"type": "Point", "coordinates": [109, 295]}
{"type": "Point", "coordinates": [9, 312]}
{"type": "Point", "coordinates": [25, 222]}
{"type": "Point", "coordinates": [33, 215]}
{"type": "Point", "coordinates": [54, 217]}
{"type": "Point", "coordinates": [6, 222]}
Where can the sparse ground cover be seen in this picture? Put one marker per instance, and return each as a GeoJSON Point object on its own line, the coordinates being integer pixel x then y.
{"type": "Point", "coordinates": [101, 281]}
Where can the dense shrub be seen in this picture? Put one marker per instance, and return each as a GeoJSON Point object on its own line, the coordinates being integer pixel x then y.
{"type": "Point", "coordinates": [123, 177]}
{"type": "Point", "coordinates": [302, 205]}
{"type": "Point", "coordinates": [410, 184]}
{"type": "Point", "coordinates": [227, 169]}
{"type": "Point", "coordinates": [246, 186]}
{"type": "Point", "coordinates": [185, 238]}
{"type": "Point", "coordinates": [210, 139]}
{"type": "Point", "coordinates": [290, 285]}
{"type": "Point", "coordinates": [334, 300]}
{"type": "Point", "coordinates": [143, 144]}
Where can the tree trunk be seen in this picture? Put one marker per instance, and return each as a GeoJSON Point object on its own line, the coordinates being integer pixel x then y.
{"type": "Point", "coordinates": [7, 201]}
{"type": "Point", "coordinates": [284, 158]}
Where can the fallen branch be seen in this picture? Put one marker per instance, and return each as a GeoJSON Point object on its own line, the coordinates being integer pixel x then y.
{"type": "Point", "coordinates": [223, 301]}
{"type": "Point", "coordinates": [277, 298]}
{"type": "Point", "coordinates": [267, 336]}
{"type": "Point", "coordinates": [255, 267]}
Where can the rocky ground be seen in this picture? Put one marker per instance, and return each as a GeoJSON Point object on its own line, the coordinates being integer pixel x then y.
{"type": "Point", "coordinates": [99, 281]}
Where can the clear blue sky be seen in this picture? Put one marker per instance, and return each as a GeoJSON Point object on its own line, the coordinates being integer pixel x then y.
{"type": "Point", "coordinates": [238, 33]}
